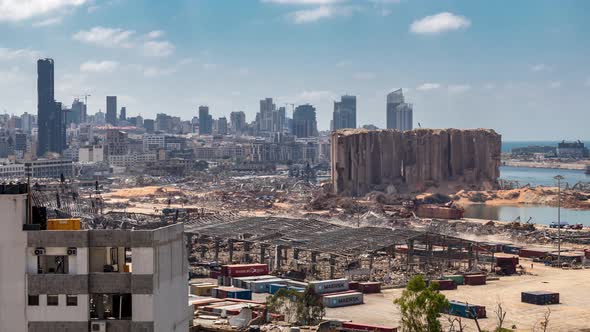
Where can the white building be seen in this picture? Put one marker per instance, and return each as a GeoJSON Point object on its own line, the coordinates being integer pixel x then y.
{"type": "Point", "coordinates": [153, 142]}
{"type": "Point", "coordinates": [91, 154]}
{"type": "Point", "coordinates": [12, 171]}
{"type": "Point", "coordinates": [89, 280]}
{"type": "Point", "coordinates": [49, 168]}
{"type": "Point", "coordinates": [132, 159]}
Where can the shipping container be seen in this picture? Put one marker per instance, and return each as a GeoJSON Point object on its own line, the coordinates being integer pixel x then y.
{"type": "Point", "coordinates": [540, 297]}
{"type": "Point", "coordinates": [261, 286]}
{"type": "Point", "coordinates": [511, 249]}
{"type": "Point", "coordinates": [445, 284]}
{"type": "Point", "coordinates": [202, 289]}
{"type": "Point", "coordinates": [343, 300]}
{"type": "Point", "coordinates": [214, 274]}
{"type": "Point", "coordinates": [244, 270]}
{"type": "Point", "coordinates": [329, 286]}
{"type": "Point", "coordinates": [463, 309]}
{"type": "Point", "coordinates": [475, 279]}
{"type": "Point", "coordinates": [72, 224]}
{"type": "Point", "coordinates": [244, 294]}
{"type": "Point", "coordinates": [273, 288]}
{"type": "Point", "coordinates": [242, 282]}
{"type": "Point", "coordinates": [349, 326]}
{"type": "Point", "coordinates": [353, 285]}
{"type": "Point", "coordinates": [457, 278]}
{"type": "Point", "coordinates": [369, 287]}
{"type": "Point", "coordinates": [507, 264]}
{"type": "Point", "coordinates": [223, 292]}
{"type": "Point", "coordinates": [533, 252]}
{"type": "Point", "coordinates": [294, 283]}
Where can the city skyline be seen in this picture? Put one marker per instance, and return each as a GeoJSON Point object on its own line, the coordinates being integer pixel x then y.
{"type": "Point", "coordinates": [457, 67]}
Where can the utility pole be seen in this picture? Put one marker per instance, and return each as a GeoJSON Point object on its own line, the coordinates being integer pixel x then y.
{"type": "Point", "coordinates": [558, 178]}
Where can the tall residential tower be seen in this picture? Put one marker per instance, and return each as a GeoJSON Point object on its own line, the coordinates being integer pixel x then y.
{"type": "Point", "coordinates": [51, 118]}
{"type": "Point", "coordinates": [399, 113]}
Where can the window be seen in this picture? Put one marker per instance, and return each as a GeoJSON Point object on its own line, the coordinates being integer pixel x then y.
{"type": "Point", "coordinates": [34, 300]}
{"type": "Point", "coordinates": [71, 300]}
{"type": "Point", "coordinates": [52, 300]}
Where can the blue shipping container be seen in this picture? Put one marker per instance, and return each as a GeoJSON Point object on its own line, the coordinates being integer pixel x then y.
{"type": "Point", "coordinates": [273, 288]}
{"type": "Point", "coordinates": [240, 295]}
{"type": "Point", "coordinates": [462, 309]}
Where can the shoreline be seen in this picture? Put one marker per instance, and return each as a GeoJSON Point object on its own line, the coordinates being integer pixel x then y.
{"type": "Point", "coordinates": [578, 166]}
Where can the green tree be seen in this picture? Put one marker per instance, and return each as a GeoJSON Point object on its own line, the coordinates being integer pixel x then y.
{"type": "Point", "coordinates": [421, 306]}
{"type": "Point", "coordinates": [301, 308]}
{"type": "Point", "coordinates": [311, 308]}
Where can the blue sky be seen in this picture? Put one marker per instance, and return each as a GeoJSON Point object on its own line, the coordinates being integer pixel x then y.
{"type": "Point", "coordinates": [520, 67]}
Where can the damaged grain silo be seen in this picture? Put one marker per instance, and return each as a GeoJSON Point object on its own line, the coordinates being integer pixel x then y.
{"type": "Point", "coordinates": [415, 160]}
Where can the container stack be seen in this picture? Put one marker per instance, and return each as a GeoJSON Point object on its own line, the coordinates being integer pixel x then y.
{"type": "Point", "coordinates": [457, 278]}
{"type": "Point", "coordinates": [446, 284]}
{"type": "Point", "coordinates": [369, 287]}
{"type": "Point", "coordinates": [231, 293]}
{"type": "Point", "coordinates": [540, 297]}
{"type": "Point", "coordinates": [507, 264]}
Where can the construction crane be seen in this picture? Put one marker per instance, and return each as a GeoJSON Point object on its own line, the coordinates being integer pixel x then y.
{"type": "Point", "coordinates": [85, 97]}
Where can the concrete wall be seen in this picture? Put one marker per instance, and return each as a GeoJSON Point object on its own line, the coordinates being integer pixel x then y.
{"type": "Point", "coordinates": [413, 161]}
{"type": "Point", "coordinates": [13, 263]}
{"type": "Point", "coordinates": [171, 273]}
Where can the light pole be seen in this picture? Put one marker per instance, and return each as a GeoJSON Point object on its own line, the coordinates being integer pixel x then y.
{"type": "Point", "coordinates": [558, 178]}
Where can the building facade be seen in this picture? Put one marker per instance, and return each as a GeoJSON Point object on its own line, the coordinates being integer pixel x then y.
{"type": "Point", "coordinates": [49, 168]}
{"type": "Point", "coordinates": [111, 116]}
{"type": "Point", "coordinates": [205, 121]}
{"type": "Point", "coordinates": [89, 280]}
{"type": "Point", "coordinates": [51, 119]}
{"type": "Point", "coordinates": [344, 113]}
{"type": "Point", "coordinates": [399, 113]}
{"type": "Point", "coordinates": [304, 121]}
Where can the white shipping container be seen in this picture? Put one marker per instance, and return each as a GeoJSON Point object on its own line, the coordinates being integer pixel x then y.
{"type": "Point", "coordinates": [343, 300]}
{"type": "Point", "coordinates": [241, 282]}
{"type": "Point", "coordinates": [329, 286]}
{"type": "Point", "coordinates": [261, 286]}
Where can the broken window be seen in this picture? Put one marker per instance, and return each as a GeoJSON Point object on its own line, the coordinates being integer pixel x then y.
{"type": "Point", "coordinates": [109, 259]}
{"type": "Point", "coordinates": [110, 306]}
{"type": "Point", "coordinates": [33, 300]}
{"type": "Point", "coordinates": [52, 300]}
{"type": "Point", "coordinates": [50, 264]}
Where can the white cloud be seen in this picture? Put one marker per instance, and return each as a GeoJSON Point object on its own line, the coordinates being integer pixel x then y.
{"type": "Point", "coordinates": [343, 63]}
{"type": "Point", "coordinates": [540, 67]}
{"type": "Point", "coordinates": [158, 48]}
{"type": "Point", "coordinates": [322, 12]}
{"type": "Point", "coordinates": [48, 22]}
{"type": "Point", "coordinates": [555, 85]}
{"type": "Point", "coordinates": [428, 86]}
{"type": "Point", "coordinates": [99, 66]}
{"type": "Point", "coordinates": [155, 34]}
{"type": "Point", "coordinates": [489, 86]}
{"type": "Point", "coordinates": [439, 23]}
{"type": "Point", "coordinates": [7, 54]}
{"type": "Point", "coordinates": [364, 75]}
{"type": "Point", "coordinates": [106, 37]}
{"type": "Point", "coordinates": [459, 88]}
{"type": "Point", "coordinates": [156, 71]}
{"type": "Point", "coordinates": [18, 10]}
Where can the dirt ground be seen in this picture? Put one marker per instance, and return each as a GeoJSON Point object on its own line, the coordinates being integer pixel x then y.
{"type": "Point", "coordinates": [573, 314]}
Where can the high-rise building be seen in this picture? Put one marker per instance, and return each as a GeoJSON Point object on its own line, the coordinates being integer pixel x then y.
{"type": "Point", "coordinates": [78, 111]}
{"type": "Point", "coordinates": [51, 118]}
{"type": "Point", "coordinates": [399, 113]}
{"type": "Point", "coordinates": [344, 113]}
{"type": "Point", "coordinates": [222, 126]}
{"type": "Point", "coordinates": [149, 125]}
{"type": "Point", "coordinates": [123, 114]}
{"type": "Point", "coordinates": [111, 116]}
{"type": "Point", "coordinates": [205, 121]}
{"type": "Point", "coordinates": [238, 122]}
{"type": "Point", "coordinates": [304, 121]}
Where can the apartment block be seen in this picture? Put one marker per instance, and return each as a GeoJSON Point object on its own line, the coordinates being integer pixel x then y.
{"type": "Point", "coordinates": [73, 280]}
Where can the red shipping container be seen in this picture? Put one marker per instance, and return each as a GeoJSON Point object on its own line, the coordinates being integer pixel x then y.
{"type": "Point", "coordinates": [475, 280]}
{"type": "Point", "coordinates": [244, 270]}
{"type": "Point", "coordinates": [370, 287]}
{"type": "Point", "coordinates": [214, 274]}
{"type": "Point", "coordinates": [445, 284]}
{"type": "Point", "coordinates": [353, 285]}
{"type": "Point", "coordinates": [533, 253]}
{"type": "Point", "coordinates": [366, 327]}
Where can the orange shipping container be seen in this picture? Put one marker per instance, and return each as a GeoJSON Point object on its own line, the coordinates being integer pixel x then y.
{"type": "Point", "coordinates": [64, 224]}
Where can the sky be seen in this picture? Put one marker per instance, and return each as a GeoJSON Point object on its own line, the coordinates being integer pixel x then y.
{"type": "Point", "coordinates": [519, 67]}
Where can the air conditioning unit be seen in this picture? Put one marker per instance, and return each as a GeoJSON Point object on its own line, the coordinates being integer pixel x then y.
{"type": "Point", "coordinates": [98, 326]}
{"type": "Point", "coordinates": [72, 251]}
{"type": "Point", "coordinates": [39, 251]}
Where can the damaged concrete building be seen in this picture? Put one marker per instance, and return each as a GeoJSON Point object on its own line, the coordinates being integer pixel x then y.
{"type": "Point", "coordinates": [415, 160]}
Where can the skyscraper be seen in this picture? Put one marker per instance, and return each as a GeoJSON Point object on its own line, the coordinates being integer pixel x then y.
{"type": "Point", "coordinates": [344, 113]}
{"type": "Point", "coordinates": [238, 122]}
{"type": "Point", "coordinates": [51, 118]}
{"type": "Point", "coordinates": [304, 121]}
{"type": "Point", "coordinates": [222, 126]}
{"type": "Point", "coordinates": [111, 116]}
{"type": "Point", "coordinates": [205, 121]}
{"type": "Point", "coordinates": [399, 113]}
{"type": "Point", "coordinates": [123, 114]}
